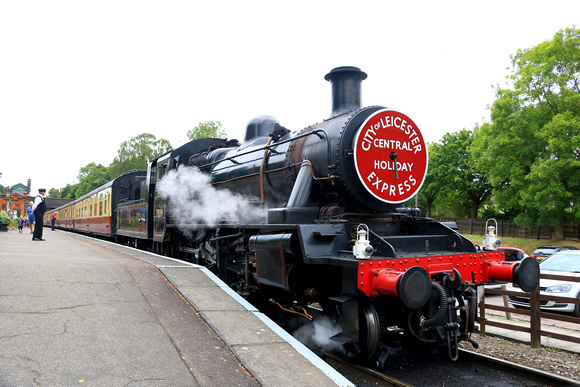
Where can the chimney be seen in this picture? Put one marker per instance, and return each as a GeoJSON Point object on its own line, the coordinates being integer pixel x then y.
{"type": "Point", "coordinates": [346, 88]}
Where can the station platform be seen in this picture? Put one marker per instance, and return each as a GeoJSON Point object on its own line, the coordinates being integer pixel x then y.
{"type": "Point", "coordinates": [80, 311]}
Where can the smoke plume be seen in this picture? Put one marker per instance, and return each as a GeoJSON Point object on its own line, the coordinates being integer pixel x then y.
{"type": "Point", "coordinates": [192, 201]}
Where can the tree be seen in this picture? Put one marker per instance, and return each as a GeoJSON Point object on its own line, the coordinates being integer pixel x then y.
{"type": "Point", "coordinates": [54, 193]}
{"type": "Point", "coordinates": [530, 148]}
{"type": "Point", "coordinates": [69, 191]}
{"type": "Point", "coordinates": [457, 174]}
{"type": "Point", "coordinates": [507, 148]}
{"type": "Point", "coordinates": [91, 177]}
{"type": "Point", "coordinates": [213, 129]}
{"type": "Point", "coordinates": [137, 153]}
{"type": "Point", "coordinates": [432, 186]}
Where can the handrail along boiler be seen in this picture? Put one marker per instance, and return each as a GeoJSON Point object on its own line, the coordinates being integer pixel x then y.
{"type": "Point", "coordinates": [337, 241]}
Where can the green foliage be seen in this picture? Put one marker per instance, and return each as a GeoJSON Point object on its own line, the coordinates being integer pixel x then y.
{"type": "Point", "coordinates": [91, 177]}
{"type": "Point", "coordinates": [553, 182]}
{"type": "Point", "coordinates": [212, 129]}
{"type": "Point", "coordinates": [69, 192]}
{"type": "Point", "coordinates": [136, 153]}
{"type": "Point", "coordinates": [2, 190]}
{"type": "Point", "coordinates": [4, 217]}
{"type": "Point", "coordinates": [455, 176]}
{"type": "Point", "coordinates": [432, 185]}
{"type": "Point", "coordinates": [549, 73]}
{"type": "Point", "coordinates": [531, 147]}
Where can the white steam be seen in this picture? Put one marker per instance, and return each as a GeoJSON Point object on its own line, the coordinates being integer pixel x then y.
{"type": "Point", "coordinates": [318, 334]}
{"type": "Point", "coordinates": [194, 201]}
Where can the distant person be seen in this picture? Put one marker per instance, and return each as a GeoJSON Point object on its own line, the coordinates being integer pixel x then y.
{"type": "Point", "coordinates": [39, 208]}
{"type": "Point", "coordinates": [52, 220]}
{"type": "Point", "coordinates": [20, 224]}
{"type": "Point", "coordinates": [31, 219]}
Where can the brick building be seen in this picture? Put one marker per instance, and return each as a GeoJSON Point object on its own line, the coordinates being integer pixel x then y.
{"type": "Point", "coordinates": [17, 199]}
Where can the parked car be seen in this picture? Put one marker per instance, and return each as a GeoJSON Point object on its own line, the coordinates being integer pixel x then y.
{"type": "Point", "coordinates": [513, 253]}
{"type": "Point", "coordinates": [561, 263]}
{"type": "Point", "coordinates": [545, 251]}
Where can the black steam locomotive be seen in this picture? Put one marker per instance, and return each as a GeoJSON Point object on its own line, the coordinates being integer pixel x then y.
{"type": "Point", "coordinates": [334, 240]}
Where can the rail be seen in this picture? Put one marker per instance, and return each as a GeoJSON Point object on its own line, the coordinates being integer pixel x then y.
{"type": "Point", "coordinates": [534, 312]}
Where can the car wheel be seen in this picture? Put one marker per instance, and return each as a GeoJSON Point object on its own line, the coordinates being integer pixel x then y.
{"type": "Point", "coordinates": [576, 312]}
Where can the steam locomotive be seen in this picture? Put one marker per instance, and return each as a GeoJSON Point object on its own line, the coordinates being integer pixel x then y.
{"type": "Point", "coordinates": [335, 239]}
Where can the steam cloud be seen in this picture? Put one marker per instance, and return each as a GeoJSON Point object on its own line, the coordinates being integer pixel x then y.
{"type": "Point", "coordinates": [318, 333]}
{"type": "Point", "coordinates": [193, 200]}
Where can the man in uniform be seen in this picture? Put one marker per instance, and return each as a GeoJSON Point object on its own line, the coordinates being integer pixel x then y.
{"type": "Point", "coordinates": [39, 208]}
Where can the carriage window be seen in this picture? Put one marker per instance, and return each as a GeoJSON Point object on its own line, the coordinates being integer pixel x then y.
{"type": "Point", "coordinates": [162, 171]}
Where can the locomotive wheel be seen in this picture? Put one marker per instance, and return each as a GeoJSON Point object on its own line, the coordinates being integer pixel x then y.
{"type": "Point", "coordinates": [369, 335]}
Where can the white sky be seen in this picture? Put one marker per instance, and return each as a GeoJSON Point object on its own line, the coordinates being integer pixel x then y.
{"type": "Point", "coordinates": [78, 77]}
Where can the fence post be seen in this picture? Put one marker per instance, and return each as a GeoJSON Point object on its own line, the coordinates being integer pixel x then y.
{"type": "Point", "coordinates": [481, 310]}
{"type": "Point", "coordinates": [535, 321]}
{"type": "Point", "coordinates": [508, 315]}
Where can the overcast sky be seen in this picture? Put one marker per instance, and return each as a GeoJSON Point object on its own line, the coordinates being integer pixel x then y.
{"type": "Point", "coordinates": [77, 78]}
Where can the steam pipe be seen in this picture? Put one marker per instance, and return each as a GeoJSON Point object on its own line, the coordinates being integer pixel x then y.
{"type": "Point", "coordinates": [439, 317]}
{"type": "Point", "coordinates": [267, 147]}
{"type": "Point", "coordinates": [300, 194]}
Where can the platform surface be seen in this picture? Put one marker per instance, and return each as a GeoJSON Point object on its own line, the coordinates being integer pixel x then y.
{"type": "Point", "coordinates": [80, 311]}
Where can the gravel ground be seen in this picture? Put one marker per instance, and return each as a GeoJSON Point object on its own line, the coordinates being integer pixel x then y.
{"type": "Point", "coordinates": [552, 360]}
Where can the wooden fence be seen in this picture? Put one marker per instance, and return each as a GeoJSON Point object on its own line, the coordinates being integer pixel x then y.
{"type": "Point", "coordinates": [508, 228]}
{"type": "Point", "coordinates": [535, 313]}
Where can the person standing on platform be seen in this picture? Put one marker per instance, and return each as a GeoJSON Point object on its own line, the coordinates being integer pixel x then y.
{"type": "Point", "coordinates": [52, 220]}
{"type": "Point", "coordinates": [30, 217]}
{"type": "Point", "coordinates": [39, 208]}
{"type": "Point", "coordinates": [20, 224]}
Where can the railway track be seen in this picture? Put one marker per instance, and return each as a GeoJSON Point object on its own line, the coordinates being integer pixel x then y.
{"type": "Point", "coordinates": [472, 369]}
{"type": "Point", "coordinates": [406, 364]}
{"type": "Point", "coordinates": [526, 373]}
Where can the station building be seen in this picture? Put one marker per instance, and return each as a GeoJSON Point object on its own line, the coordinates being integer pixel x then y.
{"type": "Point", "coordinates": [17, 199]}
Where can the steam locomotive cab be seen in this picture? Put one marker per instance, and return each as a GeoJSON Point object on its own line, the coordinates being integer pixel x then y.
{"type": "Point", "coordinates": [336, 241]}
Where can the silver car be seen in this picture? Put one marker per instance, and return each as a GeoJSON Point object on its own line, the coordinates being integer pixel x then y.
{"type": "Point", "coordinates": [561, 263]}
